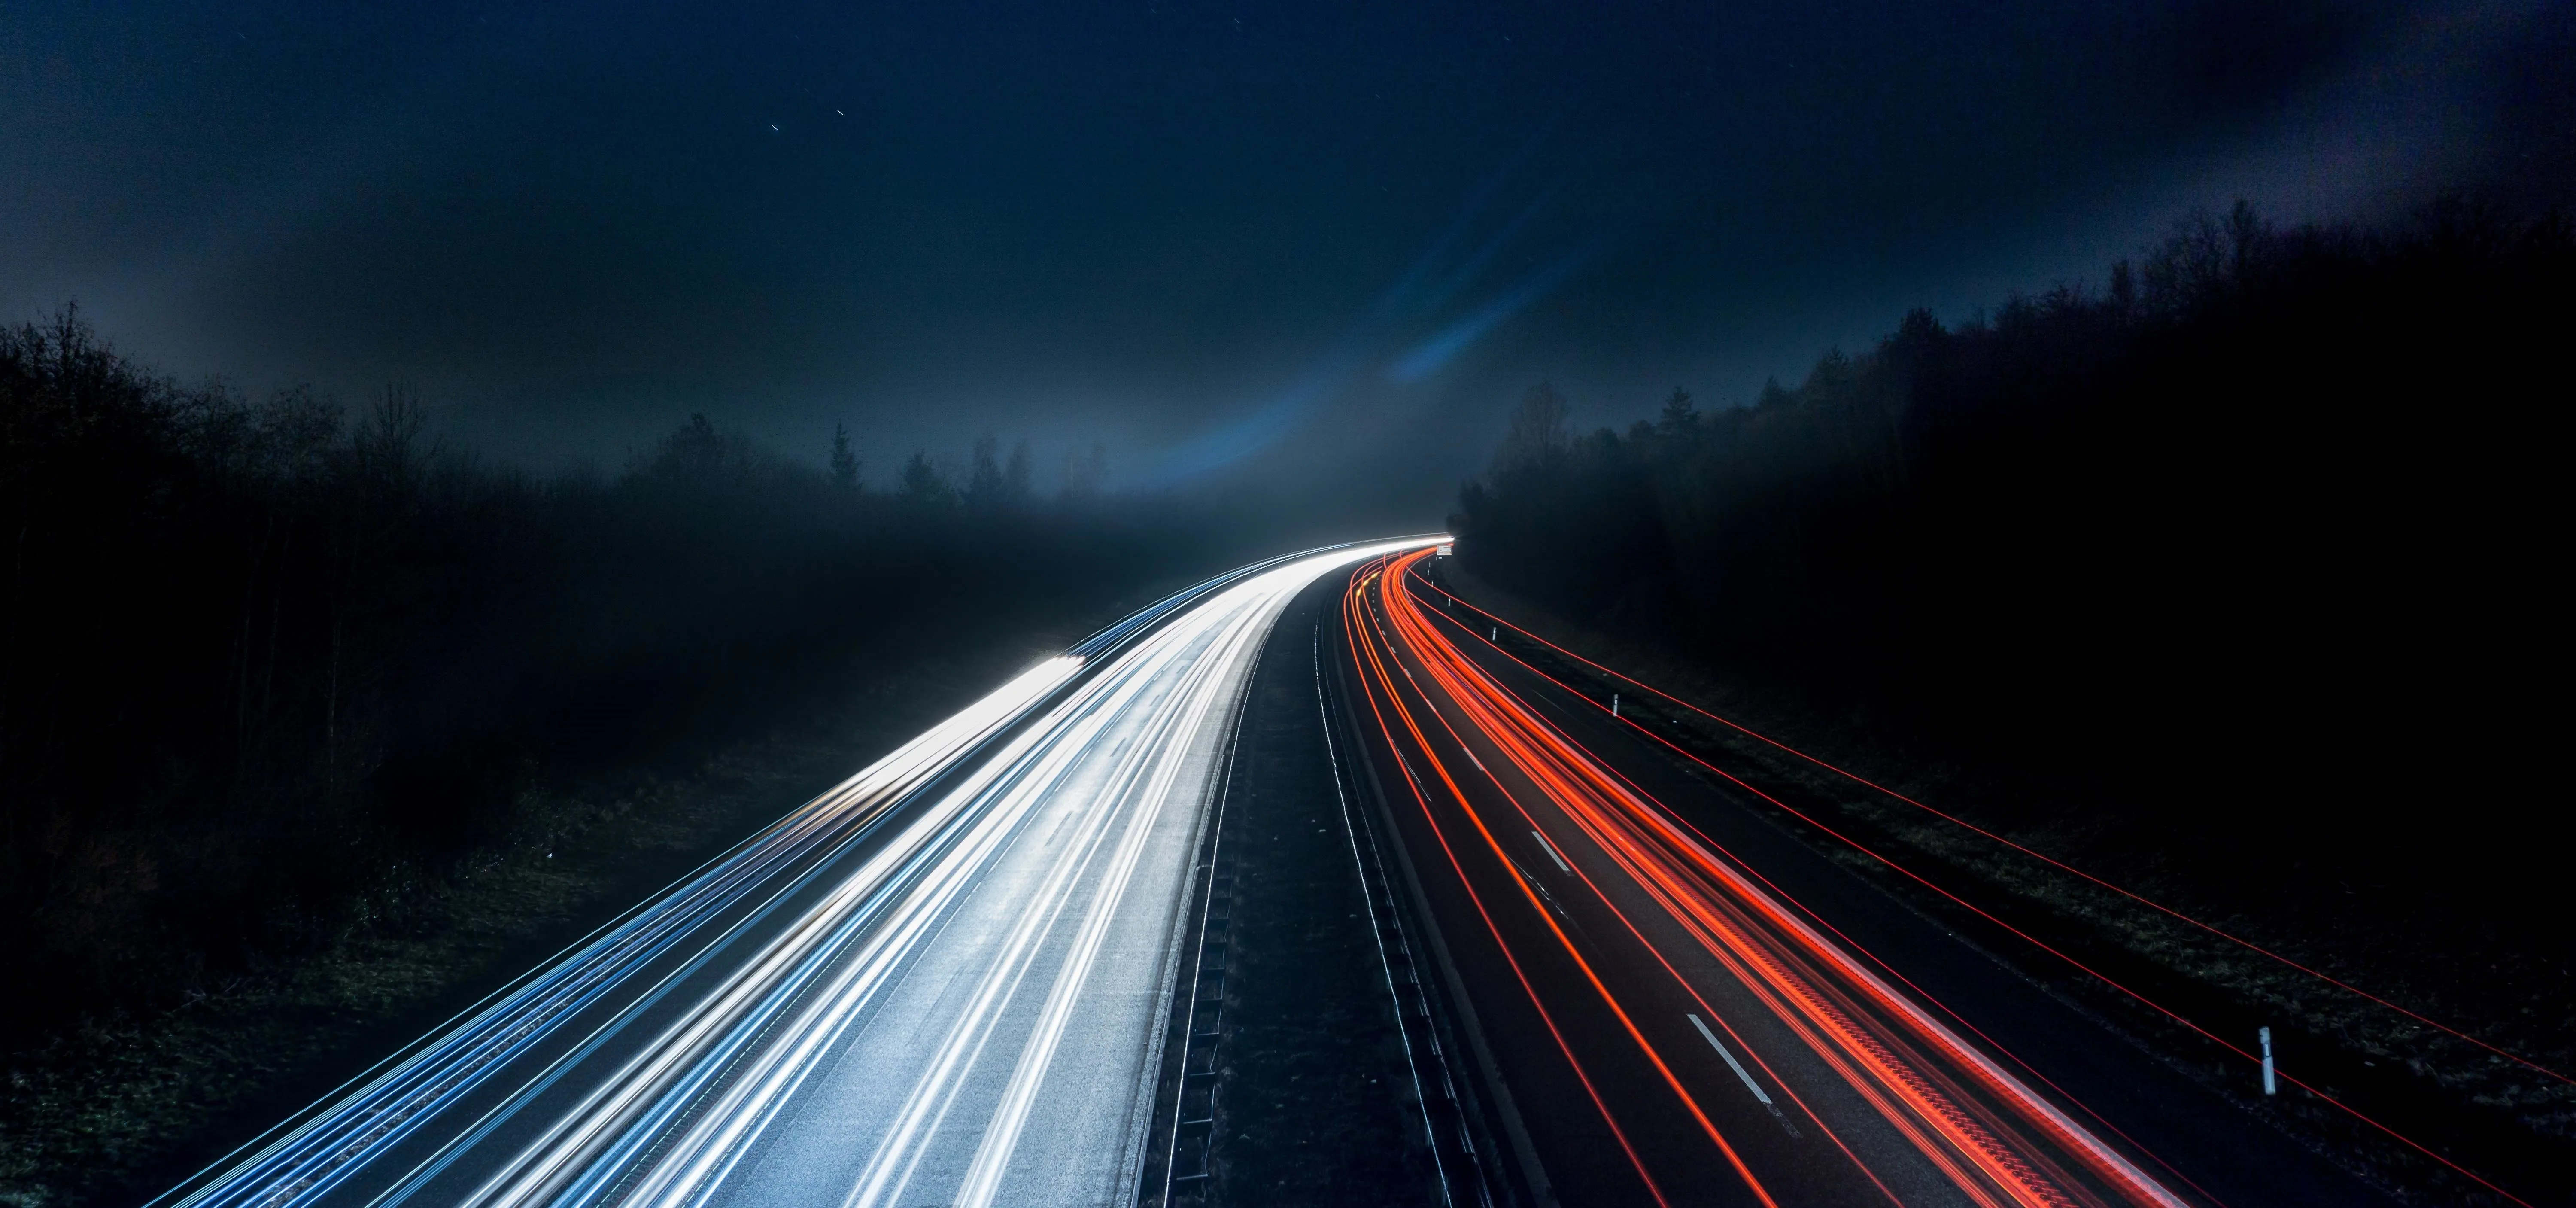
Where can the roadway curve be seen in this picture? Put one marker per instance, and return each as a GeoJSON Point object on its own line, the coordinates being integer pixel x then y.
{"type": "Point", "coordinates": [1685, 1005]}
{"type": "Point", "coordinates": [944, 981]}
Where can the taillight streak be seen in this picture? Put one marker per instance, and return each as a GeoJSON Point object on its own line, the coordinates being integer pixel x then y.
{"type": "Point", "coordinates": [1365, 657]}
{"type": "Point", "coordinates": [1973, 828]}
{"type": "Point", "coordinates": [2231, 1046]}
{"type": "Point", "coordinates": [1657, 954]}
{"type": "Point", "coordinates": [1912, 1074]}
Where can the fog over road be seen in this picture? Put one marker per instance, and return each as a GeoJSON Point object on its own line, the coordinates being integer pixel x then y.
{"type": "Point", "coordinates": [943, 981]}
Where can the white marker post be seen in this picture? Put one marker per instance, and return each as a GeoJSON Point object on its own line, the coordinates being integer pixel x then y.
{"type": "Point", "coordinates": [1614, 704]}
{"type": "Point", "coordinates": [1498, 634]}
{"type": "Point", "coordinates": [2266, 1034]}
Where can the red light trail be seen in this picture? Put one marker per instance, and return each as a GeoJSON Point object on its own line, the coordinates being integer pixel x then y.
{"type": "Point", "coordinates": [2040, 856]}
{"type": "Point", "coordinates": [1402, 601]}
{"type": "Point", "coordinates": [1951, 1108]}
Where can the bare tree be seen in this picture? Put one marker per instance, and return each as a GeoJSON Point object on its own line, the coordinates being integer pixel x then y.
{"type": "Point", "coordinates": [1538, 433]}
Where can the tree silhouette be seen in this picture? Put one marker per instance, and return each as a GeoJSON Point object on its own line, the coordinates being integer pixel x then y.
{"type": "Point", "coordinates": [986, 487]}
{"type": "Point", "coordinates": [845, 463]}
{"type": "Point", "coordinates": [922, 481]}
{"type": "Point", "coordinates": [1678, 418]}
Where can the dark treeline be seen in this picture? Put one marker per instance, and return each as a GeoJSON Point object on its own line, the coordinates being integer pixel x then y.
{"type": "Point", "coordinates": [2258, 535]}
{"type": "Point", "coordinates": [257, 657]}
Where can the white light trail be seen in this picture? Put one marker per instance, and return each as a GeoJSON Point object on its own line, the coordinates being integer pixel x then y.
{"type": "Point", "coordinates": [821, 1016]}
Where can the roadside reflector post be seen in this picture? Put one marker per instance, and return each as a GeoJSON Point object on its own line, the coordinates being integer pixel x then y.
{"type": "Point", "coordinates": [1497, 634]}
{"type": "Point", "coordinates": [2266, 1035]}
{"type": "Point", "coordinates": [1614, 704]}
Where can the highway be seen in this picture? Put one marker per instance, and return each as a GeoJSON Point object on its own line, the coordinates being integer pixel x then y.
{"type": "Point", "coordinates": [1681, 1003]}
{"type": "Point", "coordinates": [944, 981]}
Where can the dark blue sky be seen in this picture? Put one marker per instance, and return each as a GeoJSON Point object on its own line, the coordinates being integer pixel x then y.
{"type": "Point", "coordinates": [1324, 241]}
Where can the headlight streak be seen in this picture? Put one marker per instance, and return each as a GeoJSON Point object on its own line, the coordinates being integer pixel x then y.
{"type": "Point", "coordinates": [1985, 1131]}
{"type": "Point", "coordinates": [697, 1161]}
{"type": "Point", "coordinates": [931, 857]}
{"type": "Point", "coordinates": [309, 1161]}
{"type": "Point", "coordinates": [668, 1116]}
{"type": "Point", "coordinates": [1240, 643]}
{"type": "Point", "coordinates": [1154, 757]}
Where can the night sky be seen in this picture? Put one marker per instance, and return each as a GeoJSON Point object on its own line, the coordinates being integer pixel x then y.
{"type": "Point", "coordinates": [1319, 245]}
